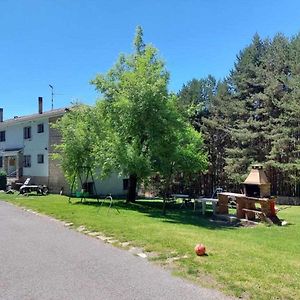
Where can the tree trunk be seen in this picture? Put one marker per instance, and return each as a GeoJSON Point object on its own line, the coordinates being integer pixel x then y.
{"type": "Point", "coordinates": [166, 195]}
{"type": "Point", "coordinates": [132, 183]}
{"type": "Point", "coordinates": [164, 205]}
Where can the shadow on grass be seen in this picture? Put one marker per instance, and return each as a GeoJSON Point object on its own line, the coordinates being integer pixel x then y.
{"type": "Point", "coordinates": [175, 213]}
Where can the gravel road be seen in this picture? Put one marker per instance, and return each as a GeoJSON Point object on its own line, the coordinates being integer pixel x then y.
{"type": "Point", "coordinates": [42, 259]}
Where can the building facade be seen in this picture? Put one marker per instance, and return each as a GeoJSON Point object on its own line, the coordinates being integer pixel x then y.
{"type": "Point", "coordinates": [26, 147]}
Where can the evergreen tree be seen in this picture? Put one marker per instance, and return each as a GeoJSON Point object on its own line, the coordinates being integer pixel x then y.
{"type": "Point", "coordinates": [247, 132]}
{"type": "Point", "coordinates": [216, 131]}
{"type": "Point", "coordinates": [195, 97]}
{"type": "Point", "coordinates": [284, 158]}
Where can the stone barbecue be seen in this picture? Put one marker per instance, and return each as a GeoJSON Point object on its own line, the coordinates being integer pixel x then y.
{"type": "Point", "coordinates": [256, 201]}
{"type": "Point", "coordinates": [257, 184]}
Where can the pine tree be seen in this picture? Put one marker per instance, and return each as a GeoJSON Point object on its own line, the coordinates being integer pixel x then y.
{"type": "Point", "coordinates": [215, 129]}
{"type": "Point", "coordinates": [195, 97]}
{"type": "Point", "coordinates": [249, 118]}
{"type": "Point", "coordinates": [284, 156]}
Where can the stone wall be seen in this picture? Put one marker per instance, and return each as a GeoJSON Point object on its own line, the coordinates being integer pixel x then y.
{"type": "Point", "coordinates": [56, 176]}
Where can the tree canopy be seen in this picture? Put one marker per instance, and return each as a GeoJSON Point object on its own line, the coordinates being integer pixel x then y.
{"type": "Point", "coordinates": [150, 133]}
{"type": "Point", "coordinates": [253, 116]}
{"type": "Point", "coordinates": [135, 128]}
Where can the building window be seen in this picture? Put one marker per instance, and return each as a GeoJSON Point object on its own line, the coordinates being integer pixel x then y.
{"type": "Point", "coordinates": [40, 158]}
{"type": "Point", "coordinates": [27, 132]}
{"type": "Point", "coordinates": [27, 161]}
{"type": "Point", "coordinates": [40, 128]}
{"type": "Point", "coordinates": [2, 136]}
{"type": "Point", "coordinates": [1, 162]}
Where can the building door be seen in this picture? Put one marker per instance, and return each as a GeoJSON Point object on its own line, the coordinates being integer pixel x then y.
{"type": "Point", "coordinates": [12, 166]}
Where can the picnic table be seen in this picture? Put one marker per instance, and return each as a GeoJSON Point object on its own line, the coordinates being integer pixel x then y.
{"type": "Point", "coordinates": [184, 197]}
{"type": "Point", "coordinates": [203, 202]}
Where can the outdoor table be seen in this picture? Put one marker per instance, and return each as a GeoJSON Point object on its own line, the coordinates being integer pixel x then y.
{"type": "Point", "coordinates": [203, 202]}
{"type": "Point", "coordinates": [185, 198]}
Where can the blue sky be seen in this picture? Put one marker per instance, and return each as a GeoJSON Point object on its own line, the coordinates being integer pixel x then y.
{"type": "Point", "coordinates": [67, 42]}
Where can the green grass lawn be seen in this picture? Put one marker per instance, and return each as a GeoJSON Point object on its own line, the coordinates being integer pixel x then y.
{"type": "Point", "coordinates": [261, 262]}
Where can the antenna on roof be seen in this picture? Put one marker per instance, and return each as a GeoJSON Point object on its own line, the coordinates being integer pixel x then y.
{"type": "Point", "coordinates": [52, 94]}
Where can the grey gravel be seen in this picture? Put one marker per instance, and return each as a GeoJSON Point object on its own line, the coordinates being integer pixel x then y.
{"type": "Point", "coordinates": [43, 259]}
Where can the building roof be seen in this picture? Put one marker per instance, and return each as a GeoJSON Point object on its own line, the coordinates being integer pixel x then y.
{"type": "Point", "coordinates": [52, 113]}
{"type": "Point", "coordinates": [10, 152]}
{"type": "Point", "coordinates": [257, 176]}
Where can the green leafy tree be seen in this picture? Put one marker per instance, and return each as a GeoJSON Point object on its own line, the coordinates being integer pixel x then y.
{"type": "Point", "coordinates": [75, 151]}
{"type": "Point", "coordinates": [181, 152]}
{"type": "Point", "coordinates": [140, 112]}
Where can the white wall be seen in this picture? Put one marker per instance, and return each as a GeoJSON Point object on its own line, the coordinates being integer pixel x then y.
{"type": "Point", "coordinates": [111, 185]}
{"type": "Point", "coordinates": [38, 144]}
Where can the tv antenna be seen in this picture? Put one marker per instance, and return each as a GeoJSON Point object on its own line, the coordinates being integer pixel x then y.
{"type": "Point", "coordinates": [52, 94]}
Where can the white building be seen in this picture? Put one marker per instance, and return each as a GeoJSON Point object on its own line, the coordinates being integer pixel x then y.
{"type": "Point", "coordinates": [26, 145]}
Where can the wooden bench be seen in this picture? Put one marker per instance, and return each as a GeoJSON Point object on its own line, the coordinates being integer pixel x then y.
{"type": "Point", "coordinates": [258, 213]}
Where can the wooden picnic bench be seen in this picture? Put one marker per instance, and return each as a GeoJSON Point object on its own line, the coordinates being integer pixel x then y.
{"type": "Point", "coordinates": [255, 212]}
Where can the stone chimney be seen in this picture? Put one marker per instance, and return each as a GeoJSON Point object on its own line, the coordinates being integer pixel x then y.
{"type": "Point", "coordinates": [1, 115]}
{"type": "Point", "coordinates": [40, 105]}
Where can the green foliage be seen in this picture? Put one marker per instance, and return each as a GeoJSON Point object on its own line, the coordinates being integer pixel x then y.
{"type": "Point", "coordinates": [135, 129]}
{"type": "Point", "coordinates": [266, 86]}
{"type": "Point", "coordinates": [149, 134]}
{"type": "Point", "coordinates": [253, 115]}
{"type": "Point", "coordinates": [208, 105]}
{"type": "Point", "coordinates": [195, 99]}
{"type": "Point", "coordinates": [75, 152]}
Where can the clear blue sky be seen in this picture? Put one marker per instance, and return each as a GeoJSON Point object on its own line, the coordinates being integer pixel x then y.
{"type": "Point", "coordinates": [67, 42]}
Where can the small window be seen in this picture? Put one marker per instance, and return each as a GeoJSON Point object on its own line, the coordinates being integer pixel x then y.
{"type": "Point", "coordinates": [27, 161]}
{"type": "Point", "coordinates": [1, 162]}
{"type": "Point", "coordinates": [40, 128]}
{"type": "Point", "coordinates": [27, 132]}
{"type": "Point", "coordinates": [2, 136]}
{"type": "Point", "coordinates": [40, 158]}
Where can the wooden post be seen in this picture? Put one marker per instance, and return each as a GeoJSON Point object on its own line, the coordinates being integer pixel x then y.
{"type": "Point", "coordinates": [266, 208]}
{"type": "Point", "coordinates": [250, 204]}
{"type": "Point", "coordinates": [240, 204]}
{"type": "Point", "coordinates": [223, 204]}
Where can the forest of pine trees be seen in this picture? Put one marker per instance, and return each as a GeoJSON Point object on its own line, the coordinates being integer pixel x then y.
{"type": "Point", "coordinates": [252, 116]}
